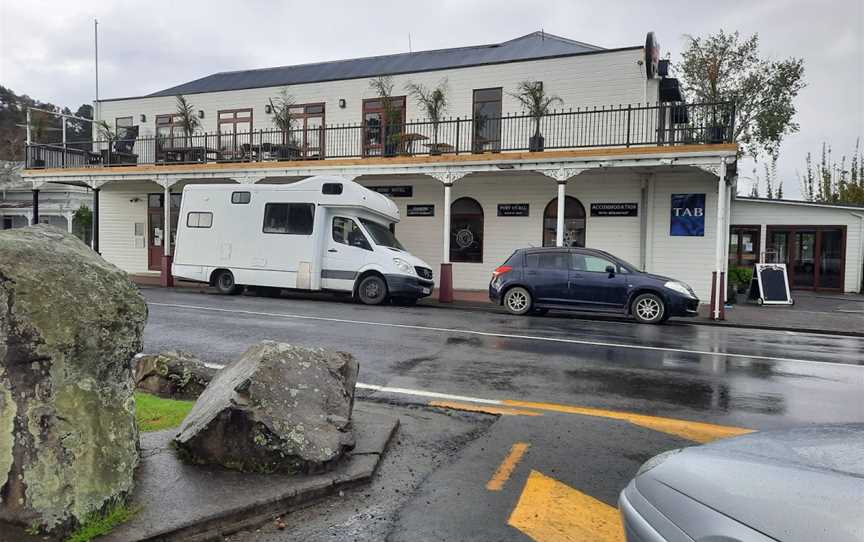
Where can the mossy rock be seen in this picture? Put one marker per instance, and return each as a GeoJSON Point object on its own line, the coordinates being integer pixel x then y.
{"type": "Point", "coordinates": [70, 324]}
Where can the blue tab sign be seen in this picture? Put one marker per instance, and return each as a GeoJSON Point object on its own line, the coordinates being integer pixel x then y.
{"type": "Point", "coordinates": [688, 215]}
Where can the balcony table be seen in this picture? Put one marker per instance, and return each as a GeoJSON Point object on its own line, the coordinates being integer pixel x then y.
{"type": "Point", "coordinates": [189, 154]}
{"type": "Point", "coordinates": [406, 142]}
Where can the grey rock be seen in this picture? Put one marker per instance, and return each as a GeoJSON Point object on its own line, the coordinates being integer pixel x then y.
{"type": "Point", "coordinates": [70, 323]}
{"type": "Point", "coordinates": [279, 408]}
{"type": "Point", "coordinates": [172, 375]}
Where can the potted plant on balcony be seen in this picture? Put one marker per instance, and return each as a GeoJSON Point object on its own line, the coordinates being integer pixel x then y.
{"type": "Point", "coordinates": [283, 117]}
{"type": "Point", "coordinates": [537, 105]}
{"type": "Point", "coordinates": [392, 129]}
{"type": "Point", "coordinates": [190, 123]}
{"type": "Point", "coordinates": [434, 102]}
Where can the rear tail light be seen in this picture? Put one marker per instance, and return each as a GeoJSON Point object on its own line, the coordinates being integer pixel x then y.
{"type": "Point", "coordinates": [501, 270]}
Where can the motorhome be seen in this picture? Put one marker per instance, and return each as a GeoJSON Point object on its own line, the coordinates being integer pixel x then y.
{"type": "Point", "coordinates": [321, 233]}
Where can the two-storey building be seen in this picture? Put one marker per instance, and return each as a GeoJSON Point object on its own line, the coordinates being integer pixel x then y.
{"type": "Point", "coordinates": [625, 164]}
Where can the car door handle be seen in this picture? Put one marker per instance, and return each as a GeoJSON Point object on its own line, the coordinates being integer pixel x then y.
{"type": "Point", "coordinates": [332, 250]}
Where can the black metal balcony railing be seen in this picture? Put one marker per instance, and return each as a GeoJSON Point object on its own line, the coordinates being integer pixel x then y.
{"type": "Point", "coordinates": [621, 126]}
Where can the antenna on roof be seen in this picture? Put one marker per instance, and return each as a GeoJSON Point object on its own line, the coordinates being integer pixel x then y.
{"type": "Point", "coordinates": [409, 43]}
{"type": "Point", "coordinates": [542, 35]}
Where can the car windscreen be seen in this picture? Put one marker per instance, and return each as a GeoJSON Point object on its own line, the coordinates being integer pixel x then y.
{"type": "Point", "coordinates": [381, 234]}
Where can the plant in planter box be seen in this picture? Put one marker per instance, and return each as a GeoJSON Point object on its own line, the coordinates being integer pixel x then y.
{"type": "Point", "coordinates": [434, 102]}
{"type": "Point", "coordinates": [392, 129]}
{"type": "Point", "coordinates": [740, 277]}
{"type": "Point", "coordinates": [284, 119]}
{"type": "Point", "coordinates": [537, 105]}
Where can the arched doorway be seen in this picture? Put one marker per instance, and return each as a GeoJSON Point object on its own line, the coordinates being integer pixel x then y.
{"type": "Point", "coordinates": [466, 231]}
{"type": "Point", "coordinates": [574, 223]}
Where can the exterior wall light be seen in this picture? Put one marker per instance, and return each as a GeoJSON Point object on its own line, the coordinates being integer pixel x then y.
{"type": "Point", "coordinates": [341, 103]}
{"type": "Point", "coordinates": [143, 117]}
{"type": "Point", "coordinates": [200, 113]}
{"type": "Point", "coordinates": [268, 109]}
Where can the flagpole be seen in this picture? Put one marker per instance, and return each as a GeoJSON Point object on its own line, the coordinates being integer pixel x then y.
{"type": "Point", "coordinates": [96, 54]}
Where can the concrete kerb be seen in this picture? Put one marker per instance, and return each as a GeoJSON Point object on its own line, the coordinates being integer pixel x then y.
{"type": "Point", "coordinates": [190, 503]}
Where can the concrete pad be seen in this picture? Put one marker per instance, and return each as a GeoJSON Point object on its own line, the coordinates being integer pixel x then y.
{"type": "Point", "coordinates": [177, 501]}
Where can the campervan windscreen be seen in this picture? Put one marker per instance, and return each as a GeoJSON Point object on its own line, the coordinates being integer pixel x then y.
{"type": "Point", "coordinates": [381, 234]}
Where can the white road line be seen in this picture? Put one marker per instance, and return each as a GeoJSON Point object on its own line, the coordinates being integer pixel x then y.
{"type": "Point", "coordinates": [432, 394]}
{"type": "Point", "coordinates": [500, 335]}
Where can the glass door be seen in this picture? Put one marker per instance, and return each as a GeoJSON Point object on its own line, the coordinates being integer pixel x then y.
{"type": "Point", "coordinates": [803, 263]}
{"type": "Point", "coordinates": [830, 260]}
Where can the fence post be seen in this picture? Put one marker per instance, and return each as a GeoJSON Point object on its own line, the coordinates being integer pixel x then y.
{"type": "Point", "coordinates": [458, 132]}
{"type": "Point", "coordinates": [629, 112]}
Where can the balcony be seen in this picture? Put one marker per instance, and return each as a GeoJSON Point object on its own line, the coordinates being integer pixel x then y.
{"type": "Point", "coordinates": [662, 125]}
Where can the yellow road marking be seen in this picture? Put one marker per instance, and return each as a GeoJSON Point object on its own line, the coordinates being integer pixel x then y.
{"type": "Point", "coordinates": [550, 511]}
{"type": "Point", "coordinates": [487, 409]}
{"type": "Point", "coordinates": [695, 431]}
{"type": "Point", "coordinates": [505, 469]}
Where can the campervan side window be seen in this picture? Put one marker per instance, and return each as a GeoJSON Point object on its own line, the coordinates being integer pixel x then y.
{"type": "Point", "coordinates": [199, 220]}
{"type": "Point", "coordinates": [291, 218]}
{"type": "Point", "coordinates": [241, 197]}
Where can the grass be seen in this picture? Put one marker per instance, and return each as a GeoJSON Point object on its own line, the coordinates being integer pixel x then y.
{"type": "Point", "coordinates": [154, 413]}
{"type": "Point", "coordinates": [102, 524]}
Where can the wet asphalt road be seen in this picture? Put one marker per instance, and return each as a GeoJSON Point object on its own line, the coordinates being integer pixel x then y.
{"type": "Point", "coordinates": [756, 379]}
{"type": "Point", "coordinates": [434, 484]}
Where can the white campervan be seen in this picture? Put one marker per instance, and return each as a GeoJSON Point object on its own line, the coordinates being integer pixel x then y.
{"type": "Point", "coordinates": [321, 233]}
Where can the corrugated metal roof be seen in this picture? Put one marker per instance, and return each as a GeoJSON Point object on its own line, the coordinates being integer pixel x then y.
{"type": "Point", "coordinates": [531, 46]}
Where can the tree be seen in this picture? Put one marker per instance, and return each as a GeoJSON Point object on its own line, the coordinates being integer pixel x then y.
{"type": "Point", "coordinates": [773, 185]}
{"type": "Point", "coordinates": [188, 120]}
{"type": "Point", "coordinates": [833, 182]}
{"type": "Point", "coordinates": [726, 67]}
{"type": "Point", "coordinates": [434, 103]}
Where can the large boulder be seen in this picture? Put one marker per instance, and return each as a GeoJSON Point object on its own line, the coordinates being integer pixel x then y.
{"type": "Point", "coordinates": [70, 324]}
{"type": "Point", "coordinates": [172, 375]}
{"type": "Point", "coordinates": [279, 408]}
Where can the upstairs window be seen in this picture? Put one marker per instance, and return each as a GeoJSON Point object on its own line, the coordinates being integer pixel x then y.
{"type": "Point", "coordinates": [289, 218]}
{"type": "Point", "coordinates": [487, 120]}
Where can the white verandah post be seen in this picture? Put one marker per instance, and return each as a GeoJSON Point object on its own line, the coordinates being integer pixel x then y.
{"type": "Point", "coordinates": [559, 219]}
{"type": "Point", "coordinates": [718, 278]}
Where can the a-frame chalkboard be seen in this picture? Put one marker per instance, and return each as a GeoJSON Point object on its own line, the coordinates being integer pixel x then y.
{"type": "Point", "coordinates": [773, 284]}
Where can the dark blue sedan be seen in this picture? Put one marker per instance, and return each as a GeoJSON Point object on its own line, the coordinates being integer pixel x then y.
{"type": "Point", "coordinates": [534, 280]}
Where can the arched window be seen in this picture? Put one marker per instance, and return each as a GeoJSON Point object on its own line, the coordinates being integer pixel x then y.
{"type": "Point", "coordinates": [466, 231]}
{"type": "Point", "coordinates": [574, 223]}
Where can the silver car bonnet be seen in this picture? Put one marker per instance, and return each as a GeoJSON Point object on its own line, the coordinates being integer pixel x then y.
{"type": "Point", "coordinates": [793, 485]}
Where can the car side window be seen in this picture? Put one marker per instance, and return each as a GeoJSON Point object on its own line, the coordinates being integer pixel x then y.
{"type": "Point", "coordinates": [547, 260]}
{"type": "Point", "coordinates": [594, 264]}
{"type": "Point", "coordinates": [346, 232]}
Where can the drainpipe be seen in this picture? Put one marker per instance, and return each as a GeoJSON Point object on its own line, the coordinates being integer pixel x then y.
{"type": "Point", "coordinates": [860, 218]}
{"type": "Point", "coordinates": [718, 234]}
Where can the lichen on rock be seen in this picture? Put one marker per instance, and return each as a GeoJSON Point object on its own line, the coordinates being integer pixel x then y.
{"type": "Point", "coordinates": [70, 324]}
{"type": "Point", "coordinates": [279, 408]}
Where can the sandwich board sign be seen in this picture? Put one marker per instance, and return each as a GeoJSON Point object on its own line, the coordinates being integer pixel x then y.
{"type": "Point", "coordinates": [773, 284]}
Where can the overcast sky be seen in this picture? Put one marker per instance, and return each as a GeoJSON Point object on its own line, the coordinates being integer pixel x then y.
{"type": "Point", "coordinates": [46, 47]}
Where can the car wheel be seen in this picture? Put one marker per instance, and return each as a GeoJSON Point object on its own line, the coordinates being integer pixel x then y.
{"type": "Point", "coordinates": [225, 283]}
{"type": "Point", "coordinates": [372, 290]}
{"type": "Point", "coordinates": [517, 301]}
{"type": "Point", "coordinates": [648, 309]}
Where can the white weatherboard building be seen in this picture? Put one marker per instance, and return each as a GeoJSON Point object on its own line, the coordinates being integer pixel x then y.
{"type": "Point", "coordinates": [625, 164]}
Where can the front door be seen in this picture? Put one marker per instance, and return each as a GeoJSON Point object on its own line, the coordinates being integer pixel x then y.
{"type": "Point", "coordinates": [814, 255]}
{"type": "Point", "coordinates": [593, 286]}
{"type": "Point", "coordinates": [156, 239]}
{"type": "Point", "coordinates": [347, 251]}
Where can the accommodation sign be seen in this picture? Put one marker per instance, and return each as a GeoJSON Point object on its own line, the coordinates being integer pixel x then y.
{"type": "Point", "coordinates": [394, 191]}
{"type": "Point", "coordinates": [614, 209]}
{"type": "Point", "coordinates": [687, 215]}
{"type": "Point", "coordinates": [512, 209]}
{"type": "Point", "coordinates": [421, 210]}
